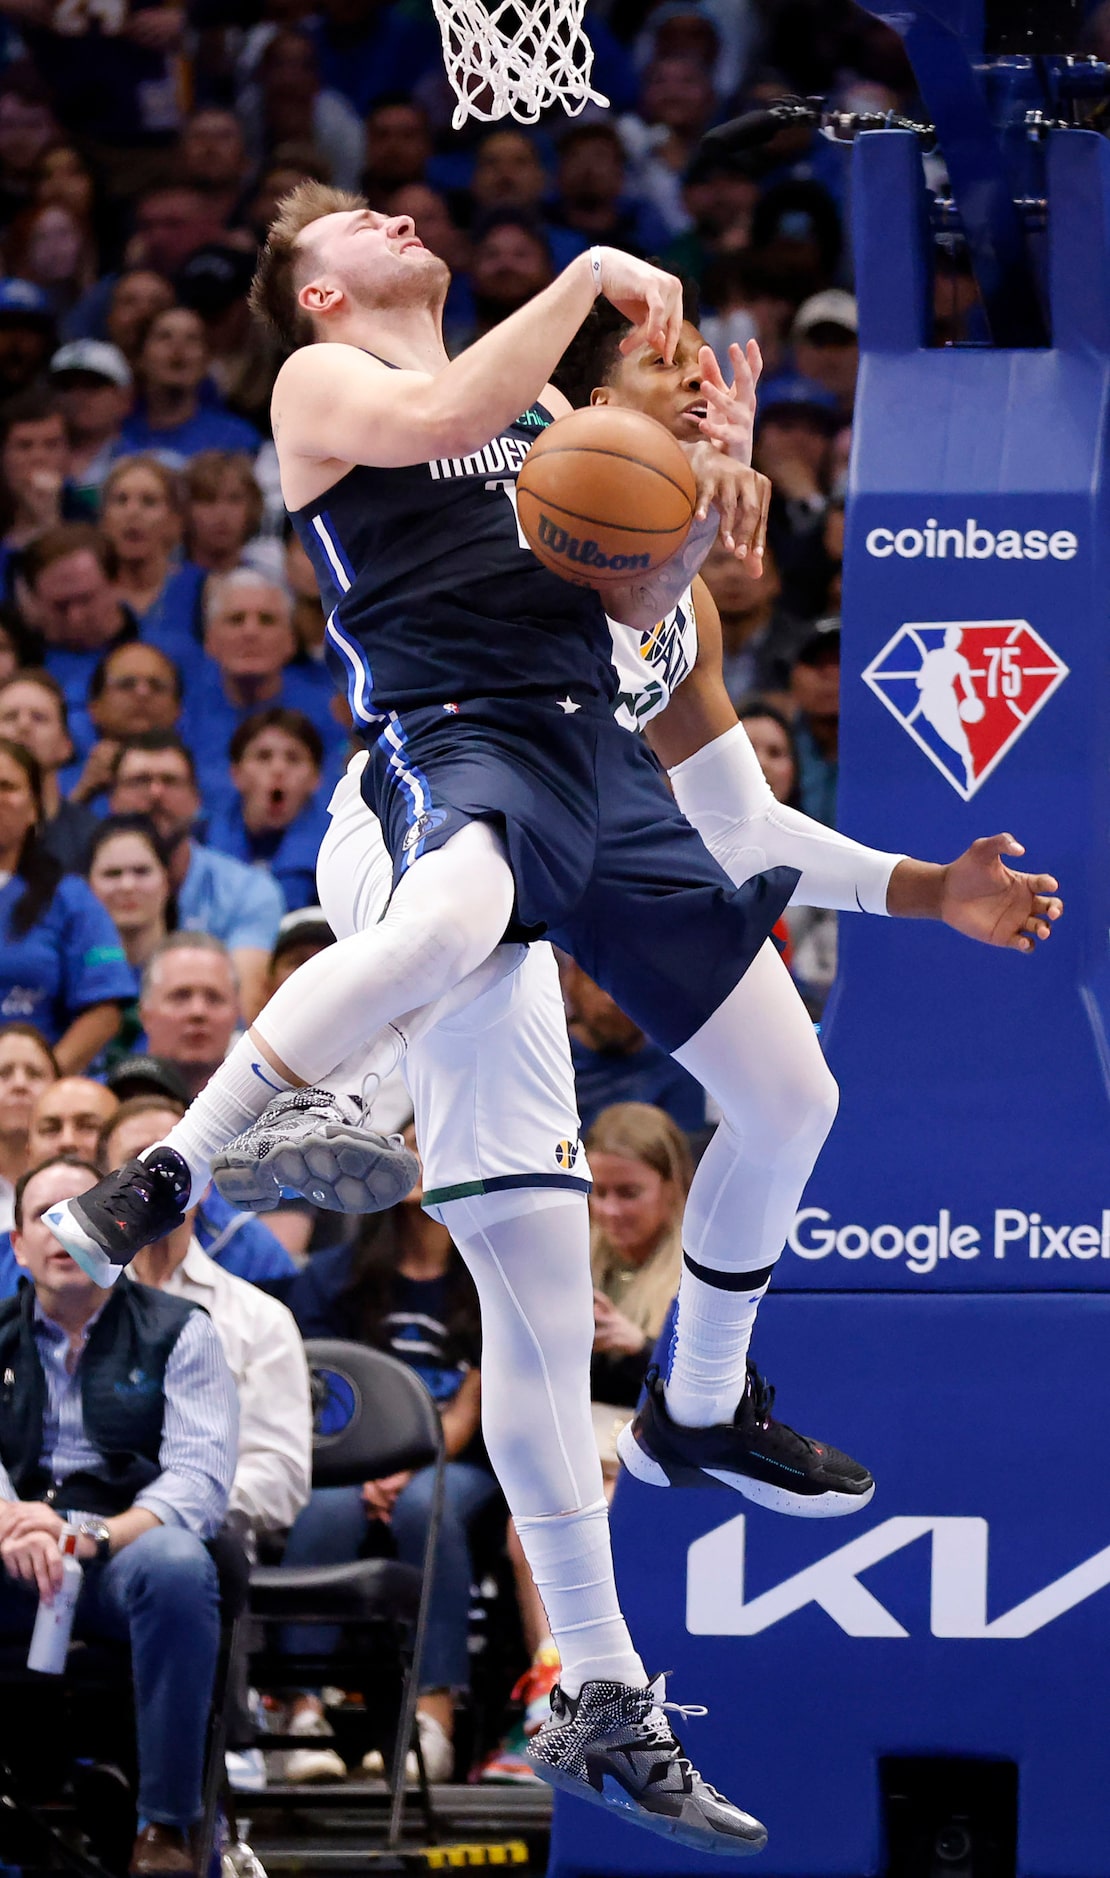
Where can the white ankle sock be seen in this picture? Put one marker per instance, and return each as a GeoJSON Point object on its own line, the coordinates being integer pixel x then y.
{"type": "Point", "coordinates": [571, 1561]}
{"type": "Point", "coordinates": [709, 1351]}
{"type": "Point", "coordinates": [235, 1097]}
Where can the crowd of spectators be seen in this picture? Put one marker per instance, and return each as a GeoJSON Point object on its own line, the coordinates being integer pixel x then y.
{"type": "Point", "coordinates": [169, 736]}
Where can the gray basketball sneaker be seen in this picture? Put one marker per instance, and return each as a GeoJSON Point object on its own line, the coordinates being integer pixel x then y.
{"type": "Point", "coordinates": [316, 1144]}
{"type": "Point", "coordinates": [614, 1746]}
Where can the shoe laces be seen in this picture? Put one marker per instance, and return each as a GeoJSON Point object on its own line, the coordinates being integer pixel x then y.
{"type": "Point", "coordinates": [135, 1186]}
{"type": "Point", "coordinates": [761, 1395]}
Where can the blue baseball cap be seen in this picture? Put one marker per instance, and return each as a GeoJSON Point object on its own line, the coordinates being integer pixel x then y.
{"type": "Point", "coordinates": [21, 299]}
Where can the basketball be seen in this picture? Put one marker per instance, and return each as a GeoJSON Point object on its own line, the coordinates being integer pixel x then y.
{"type": "Point", "coordinates": [973, 710]}
{"type": "Point", "coordinates": [605, 493]}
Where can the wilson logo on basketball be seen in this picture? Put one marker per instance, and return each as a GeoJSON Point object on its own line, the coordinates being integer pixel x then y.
{"type": "Point", "coordinates": [585, 553]}
{"type": "Point", "coordinates": [966, 690]}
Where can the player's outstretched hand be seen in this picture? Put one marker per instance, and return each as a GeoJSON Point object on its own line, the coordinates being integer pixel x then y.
{"type": "Point", "coordinates": [647, 296]}
{"type": "Point", "coordinates": [987, 900]}
{"type": "Point", "coordinates": [729, 422]}
{"type": "Point", "coordinates": [742, 498]}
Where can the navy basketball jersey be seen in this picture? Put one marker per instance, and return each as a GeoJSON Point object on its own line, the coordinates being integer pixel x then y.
{"type": "Point", "coordinates": [432, 595]}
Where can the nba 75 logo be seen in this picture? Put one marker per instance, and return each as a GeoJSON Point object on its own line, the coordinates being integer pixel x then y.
{"type": "Point", "coordinates": [965, 690]}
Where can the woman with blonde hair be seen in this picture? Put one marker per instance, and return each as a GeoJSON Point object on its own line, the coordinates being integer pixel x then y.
{"type": "Point", "coordinates": [142, 513]}
{"type": "Point", "coordinates": [642, 1168]}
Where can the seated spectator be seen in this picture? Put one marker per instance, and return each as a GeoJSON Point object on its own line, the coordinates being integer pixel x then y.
{"type": "Point", "coordinates": [133, 689]}
{"type": "Point", "coordinates": [141, 516]}
{"type": "Point", "coordinates": [277, 819]}
{"type": "Point", "coordinates": [27, 336]}
{"type": "Point", "coordinates": [288, 102]}
{"type": "Point", "coordinates": [171, 221]}
{"type": "Point", "coordinates": [71, 600]}
{"type": "Point", "coordinates": [61, 962]}
{"type": "Point", "coordinates": [403, 1289]}
{"type": "Point", "coordinates": [369, 52]}
{"type": "Point", "coordinates": [239, 906]}
{"type": "Point", "coordinates": [129, 873]}
{"type": "Point", "coordinates": [677, 105]}
{"type": "Point", "coordinates": [301, 935]}
{"type": "Point", "coordinates": [508, 173]}
{"type": "Point", "coordinates": [92, 382]}
{"type": "Point", "coordinates": [807, 934]}
{"type": "Point", "coordinates": [137, 295]}
{"type": "Point", "coordinates": [189, 1005]}
{"type": "Point", "coordinates": [248, 636]}
{"type": "Point", "coordinates": [243, 361]}
{"type": "Point", "coordinates": [826, 344]}
{"type": "Point", "coordinates": [592, 200]}
{"type": "Point", "coordinates": [171, 417]}
{"type": "Point", "coordinates": [793, 446]}
{"type": "Point", "coordinates": [27, 1067]}
{"type": "Point", "coordinates": [27, 128]}
{"type": "Point", "coordinates": [720, 190]}
{"type": "Point", "coordinates": [615, 1062]}
{"type": "Point", "coordinates": [797, 231]}
{"type": "Point", "coordinates": [63, 174]}
{"type": "Point", "coordinates": [399, 145]}
{"type": "Point", "coordinates": [511, 263]}
{"type": "Point", "coordinates": [33, 713]}
{"type": "Point", "coordinates": [212, 159]}
{"type": "Point", "coordinates": [67, 1118]}
{"type": "Point", "coordinates": [751, 301]}
{"type": "Point", "coordinates": [758, 636]}
{"type": "Point", "coordinates": [815, 691]}
{"type": "Point", "coordinates": [223, 514]}
{"type": "Point", "coordinates": [144, 1489]}
{"type": "Point", "coordinates": [240, 1243]}
{"type": "Point", "coordinates": [642, 1170]}
{"type": "Point", "coordinates": [288, 165]}
{"type": "Point", "coordinates": [34, 464]}
{"type": "Point", "coordinates": [273, 1468]}
{"type": "Point", "coordinates": [55, 248]}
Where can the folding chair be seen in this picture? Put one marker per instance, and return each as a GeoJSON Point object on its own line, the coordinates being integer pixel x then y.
{"type": "Point", "coordinates": [372, 1416]}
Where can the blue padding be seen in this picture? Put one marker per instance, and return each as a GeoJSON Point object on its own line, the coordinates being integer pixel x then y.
{"type": "Point", "coordinates": [981, 1419]}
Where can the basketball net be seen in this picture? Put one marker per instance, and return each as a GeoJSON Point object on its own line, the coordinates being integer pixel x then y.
{"type": "Point", "coordinates": [514, 58]}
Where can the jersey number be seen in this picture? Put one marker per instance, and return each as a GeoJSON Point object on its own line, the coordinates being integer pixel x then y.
{"type": "Point", "coordinates": [509, 486]}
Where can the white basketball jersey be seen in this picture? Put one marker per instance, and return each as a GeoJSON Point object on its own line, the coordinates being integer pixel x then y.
{"type": "Point", "coordinates": [650, 665]}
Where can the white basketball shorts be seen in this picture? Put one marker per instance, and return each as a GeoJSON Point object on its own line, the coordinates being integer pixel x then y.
{"type": "Point", "coordinates": [492, 1087]}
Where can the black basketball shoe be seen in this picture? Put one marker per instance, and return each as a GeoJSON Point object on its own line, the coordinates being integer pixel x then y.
{"type": "Point", "coordinates": [614, 1746]}
{"type": "Point", "coordinates": [753, 1454]}
{"type": "Point", "coordinates": [104, 1228]}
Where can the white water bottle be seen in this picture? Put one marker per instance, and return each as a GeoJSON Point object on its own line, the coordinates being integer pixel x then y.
{"type": "Point", "coordinates": [50, 1640]}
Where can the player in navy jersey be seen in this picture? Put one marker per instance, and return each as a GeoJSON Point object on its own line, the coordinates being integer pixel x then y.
{"type": "Point", "coordinates": [531, 773]}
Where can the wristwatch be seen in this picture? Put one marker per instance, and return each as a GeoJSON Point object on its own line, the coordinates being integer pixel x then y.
{"type": "Point", "coordinates": [97, 1531]}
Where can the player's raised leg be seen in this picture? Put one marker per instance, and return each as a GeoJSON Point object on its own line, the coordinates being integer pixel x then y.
{"type": "Point", "coordinates": [448, 913]}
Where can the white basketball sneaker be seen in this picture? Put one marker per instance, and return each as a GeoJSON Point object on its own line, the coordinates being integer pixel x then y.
{"type": "Point", "coordinates": [319, 1145]}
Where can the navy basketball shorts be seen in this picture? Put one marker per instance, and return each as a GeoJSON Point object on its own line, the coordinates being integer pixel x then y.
{"type": "Point", "coordinates": [604, 863]}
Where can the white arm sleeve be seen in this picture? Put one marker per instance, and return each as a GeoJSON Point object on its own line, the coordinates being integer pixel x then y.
{"type": "Point", "coordinates": [723, 792]}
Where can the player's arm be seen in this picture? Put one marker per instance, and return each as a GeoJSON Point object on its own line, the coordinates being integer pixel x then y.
{"type": "Point", "coordinates": [721, 789]}
{"type": "Point", "coordinates": [333, 402]}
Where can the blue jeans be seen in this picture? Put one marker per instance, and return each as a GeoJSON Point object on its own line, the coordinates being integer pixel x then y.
{"type": "Point", "coordinates": [332, 1527]}
{"type": "Point", "coordinates": [159, 1594]}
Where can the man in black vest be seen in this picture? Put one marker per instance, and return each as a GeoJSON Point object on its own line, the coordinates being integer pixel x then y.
{"type": "Point", "coordinates": [118, 1417]}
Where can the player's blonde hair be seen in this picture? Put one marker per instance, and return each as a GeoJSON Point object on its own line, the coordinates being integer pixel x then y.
{"type": "Point", "coordinates": [284, 264]}
{"type": "Point", "coordinates": [639, 1132]}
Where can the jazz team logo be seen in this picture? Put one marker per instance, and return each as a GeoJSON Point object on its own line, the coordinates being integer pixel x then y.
{"type": "Point", "coordinates": [965, 690]}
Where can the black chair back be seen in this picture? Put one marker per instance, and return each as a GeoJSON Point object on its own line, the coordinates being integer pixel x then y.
{"type": "Point", "coordinates": [371, 1415]}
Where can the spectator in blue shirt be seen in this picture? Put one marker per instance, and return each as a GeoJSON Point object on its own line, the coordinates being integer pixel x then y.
{"type": "Point", "coordinates": [134, 688]}
{"type": "Point", "coordinates": [69, 572]}
{"type": "Point", "coordinates": [33, 713]}
{"type": "Point", "coordinates": [142, 515]}
{"type": "Point", "coordinates": [129, 873]}
{"type": "Point", "coordinates": [240, 906]}
{"type": "Point", "coordinates": [61, 963]}
{"type": "Point", "coordinates": [277, 819]}
{"type": "Point", "coordinates": [250, 643]}
{"type": "Point", "coordinates": [591, 201]}
{"type": "Point", "coordinates": [172, 418]}
{"type": "Point", "coordinates": [615, 1062]}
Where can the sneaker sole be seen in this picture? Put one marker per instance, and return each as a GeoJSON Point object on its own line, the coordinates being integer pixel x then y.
{"type": "Point", "coordinates": [718, 1844]}
{"type": "Point", "coordinates": [82, 1249]}
{"type": "Point", "coordinates": [828, 1505]}
{"type": "Point", "coordinates": [342, 1171]}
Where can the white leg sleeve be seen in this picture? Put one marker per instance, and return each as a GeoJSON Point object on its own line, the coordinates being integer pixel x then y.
{"type": "Point", "coordinates": [723, 792]}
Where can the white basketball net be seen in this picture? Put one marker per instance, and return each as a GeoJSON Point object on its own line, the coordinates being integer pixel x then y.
{"type": "Point", "coordinates": [514, 58]}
